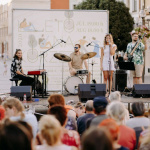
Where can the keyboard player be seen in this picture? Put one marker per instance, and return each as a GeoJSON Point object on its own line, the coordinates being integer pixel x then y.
{"type": "Point", "coordinates": [17, 70]}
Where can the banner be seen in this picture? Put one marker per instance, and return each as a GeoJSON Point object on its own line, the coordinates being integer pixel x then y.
{"type": "Point", "coordinates": [35, 31]}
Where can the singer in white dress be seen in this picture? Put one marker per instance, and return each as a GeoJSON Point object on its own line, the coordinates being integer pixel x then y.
{"type": "Point", "coordinates": [107, 53]}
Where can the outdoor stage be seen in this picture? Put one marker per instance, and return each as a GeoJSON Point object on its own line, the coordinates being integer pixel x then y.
{"type": "Point", "coordinates": [43, 103]}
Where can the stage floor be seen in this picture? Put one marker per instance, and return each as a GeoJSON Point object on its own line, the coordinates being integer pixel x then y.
{"type": "Point", "coordinates": [125, 99]}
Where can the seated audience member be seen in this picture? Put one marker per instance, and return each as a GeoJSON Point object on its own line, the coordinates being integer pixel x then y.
{"type": "Point", "coordinates": [2, 110]}
{"type": "Point", "coordinates": [58, 99]}
{"type": "Point", "coordinates": [14, 136]}
{"type": "Point", "coordinates": [96, 139]}
{"type": "Point", "coordinates": [144, 142]}
{"type": "Point", "coordinates": [117, 111]}
{"type": "Point", "coordinates": [50, 134]}
{"type": "Point", "coordinates": [100, 104]}
{"type": "Point", "coordinates": [2, 113]}
{"type": "Point", "coordinates": [82, 120]}
{"type": "Point", "coordinates": [116, 96]}
{"type": "Point", "coordinates": [68, 137]}
{"type": "Point", "coordinates": [70, 111]}
{"type": "Point", "coordinates": [27, 126]}
{"type": "Point", "coordinates": [15, 111]}
{"type": "Point", "coordinates": [139, 119]}
{"type": "Point", "coordinates": [113, 128]}
{"type": "Point", "coordinates": [79, 109]}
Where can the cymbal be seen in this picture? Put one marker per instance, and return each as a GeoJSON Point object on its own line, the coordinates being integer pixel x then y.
{"type": "Point", "coordinates": [62, 57]}
{"type": "Point", "coordinates": [88, 55]}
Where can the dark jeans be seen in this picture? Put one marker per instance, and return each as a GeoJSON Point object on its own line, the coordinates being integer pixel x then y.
{"type": "Point", "coordinates": [25, 80]}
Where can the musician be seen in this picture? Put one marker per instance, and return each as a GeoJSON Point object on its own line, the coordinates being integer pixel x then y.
{"type": "Point", "coordinates": [17, 70]}
{"type": "Point", "coordinates": [77, 63]}
{"type": "Point", "coordinates": [137, 57]}
{"type": "Point", "coordinates": [108, 51]}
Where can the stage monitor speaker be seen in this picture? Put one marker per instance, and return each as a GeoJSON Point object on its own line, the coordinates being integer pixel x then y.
{"type": "Point", "coordinates": [19, 91]}
{"type": "Point", "coordinates": [119, 80]}
{"type": "Point", "coordinates": [89, 91]}
{"type": "Point", "coordinates": [141, 90]}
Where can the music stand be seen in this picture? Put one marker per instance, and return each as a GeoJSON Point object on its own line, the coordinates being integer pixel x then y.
{"type": "Point", "coordinates": [126, 65]}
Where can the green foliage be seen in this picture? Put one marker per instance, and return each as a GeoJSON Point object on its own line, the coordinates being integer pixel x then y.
{"type": "Point", "coordinates": [143, 29]}
{"type": "Point", "coordinates": [120, 20]}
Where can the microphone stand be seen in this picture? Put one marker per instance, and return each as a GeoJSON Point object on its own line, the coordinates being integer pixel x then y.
{"type": "Point", "coordinates": [109, 62]}
{"type": "Point", "coordinates": [100, 71]}
{"type": "Point", "coordinates": [42, 54]}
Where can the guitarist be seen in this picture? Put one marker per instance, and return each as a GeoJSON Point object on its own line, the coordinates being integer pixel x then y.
{"type": "Point", "coordinates": [135, 49]}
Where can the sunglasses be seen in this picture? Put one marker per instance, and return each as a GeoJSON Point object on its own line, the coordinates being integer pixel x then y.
{"type": "Point", "coordinates": [76, 47]}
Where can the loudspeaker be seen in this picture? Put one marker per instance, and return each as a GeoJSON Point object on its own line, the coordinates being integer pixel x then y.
{"type": "Point", "coordinates": [89, 91]}
{"type": "Point", "coordinates": [19, 91]}
{"type": "Point", "coordinates": [119, 80]}
{"type": "Point", "coordinates": [141, 90]}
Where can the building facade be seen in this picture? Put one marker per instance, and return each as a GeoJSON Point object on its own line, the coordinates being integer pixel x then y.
{"type": "Point", "coordinates": [6, 19]}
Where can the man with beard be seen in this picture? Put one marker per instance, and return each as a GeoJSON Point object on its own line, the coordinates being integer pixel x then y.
{"type": "Point", "coordinates": [138, 58]}
{"type": "Point", "coordinates": [76, 62]}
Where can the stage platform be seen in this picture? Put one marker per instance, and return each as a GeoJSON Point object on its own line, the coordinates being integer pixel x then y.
{"type": "Point", "coordinates": [125, 99]}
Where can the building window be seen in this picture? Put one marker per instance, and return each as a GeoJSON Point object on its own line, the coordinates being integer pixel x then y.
{"type": "Point", "coordinates": [134, 5]}
{"type": "Point", "coordinates": [74, 6]}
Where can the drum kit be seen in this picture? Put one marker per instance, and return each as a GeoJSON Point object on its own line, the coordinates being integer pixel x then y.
{"type": "Point", "coordinates": [71, 84]}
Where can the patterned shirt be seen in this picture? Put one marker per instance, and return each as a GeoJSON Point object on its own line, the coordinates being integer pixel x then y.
{"type": "Point", "coordinates": [15, 66]}
{"type": "Point", "coordinates": [138, 53]}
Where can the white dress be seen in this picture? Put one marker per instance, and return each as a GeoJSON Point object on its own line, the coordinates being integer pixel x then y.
{"type": "Point", "coordinates": [106, 59]}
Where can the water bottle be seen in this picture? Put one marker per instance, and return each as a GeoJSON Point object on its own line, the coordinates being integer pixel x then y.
{"type": "Point", "coordinates": [24, 98]}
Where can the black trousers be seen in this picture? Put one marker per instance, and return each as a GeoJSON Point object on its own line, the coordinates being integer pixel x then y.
{"type": "Point", "coordinates": [25, 80]}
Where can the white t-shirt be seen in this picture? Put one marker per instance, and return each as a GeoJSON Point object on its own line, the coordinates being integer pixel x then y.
{"type": "Point", "coordinates": [29, 118]}
{"type": "Point", "coordinates": [138, 122]}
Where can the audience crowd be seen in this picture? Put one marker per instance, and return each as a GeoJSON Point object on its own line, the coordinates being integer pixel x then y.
{"type": "Point", "coordinates": [100, 124]}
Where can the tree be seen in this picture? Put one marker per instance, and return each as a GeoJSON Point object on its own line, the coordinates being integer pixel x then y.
{"type": "Point", "coordinates": [120, 20]}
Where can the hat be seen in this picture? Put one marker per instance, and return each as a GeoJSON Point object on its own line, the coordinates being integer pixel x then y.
{"type": "Point", "coordinates": [100, 101]}
{"type": "Point", "coordinates": [134, 32]}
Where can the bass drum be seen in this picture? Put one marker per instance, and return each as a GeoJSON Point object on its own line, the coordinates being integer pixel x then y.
{"type": "Point", "coordinates": [71, 84]}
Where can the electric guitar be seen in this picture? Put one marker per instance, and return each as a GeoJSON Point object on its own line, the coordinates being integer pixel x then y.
{"type": "Point", "coordinates": [130, 56]}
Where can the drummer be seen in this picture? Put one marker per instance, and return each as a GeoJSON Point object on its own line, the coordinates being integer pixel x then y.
{"type": "Point", "coordinates": [76, 62]}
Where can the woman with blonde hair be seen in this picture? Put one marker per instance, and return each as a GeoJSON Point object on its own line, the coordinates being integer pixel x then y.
{"type": "Point", "coordinates": [50, 134]}
{"type": "Point", "coordinates": [106, 60]}
{"type": "Point", "coordinates": [14, 110]}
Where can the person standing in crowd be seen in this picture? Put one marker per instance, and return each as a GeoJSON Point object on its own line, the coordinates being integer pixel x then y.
{"type": "Point", "coordinates": [138, 58]}
{"type": "Point", "coordinates": [76, 62]}
{"type": "Point", "coordinates": [17, 70]}
{"type": "Point", "coordinates": [82, 120]}
{"type": "Point", "coordinates": [106, 60]}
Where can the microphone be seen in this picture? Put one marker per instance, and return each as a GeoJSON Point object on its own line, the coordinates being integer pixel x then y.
{"type": "Point", "coordinates": [89, 44]}
{"type": "Point", "coordinates": [63, 41]}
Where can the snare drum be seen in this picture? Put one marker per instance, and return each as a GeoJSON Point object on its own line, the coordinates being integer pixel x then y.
{"type": "Point", "coordinates": [82, 72]}
{"type": "Point", "coordinates": [71, 84]}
